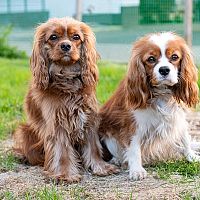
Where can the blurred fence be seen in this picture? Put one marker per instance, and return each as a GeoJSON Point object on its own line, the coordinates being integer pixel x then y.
{"type": "Point", "coordinates": [115, 32]}
{"type": "Point", "coordinates": [134, 21]}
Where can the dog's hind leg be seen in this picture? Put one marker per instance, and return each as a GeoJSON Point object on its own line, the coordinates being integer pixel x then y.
{"type": "Point", "coordinates": [27, 146]}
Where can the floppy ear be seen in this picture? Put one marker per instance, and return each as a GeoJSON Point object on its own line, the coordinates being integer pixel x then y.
{"type": "Point", "coordinates": [136, 85]}
{"type": "Point", "coordinates": [187, 89]}
{"type": "Point", "coordinates": [38, 61]}
{"type": "Point", "coordinates": [89, 56]}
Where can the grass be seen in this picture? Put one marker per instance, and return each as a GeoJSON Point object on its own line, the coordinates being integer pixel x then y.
{"type": "Point", "coordinates": [7, 162]}
{"type": "Point", "coordinates": [182, 167]}
{"type": "Point", "coordinates": [14, 78]}
{"type": "Point", "coordinates": [51, 192]}
{"type": "Point", "coordinates": [110, 76]}
{"type": "Point", "coordinates": [44, 193]}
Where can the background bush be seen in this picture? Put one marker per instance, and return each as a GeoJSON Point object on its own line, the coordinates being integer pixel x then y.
{"type": "Point", "coordinates": [6, 50]}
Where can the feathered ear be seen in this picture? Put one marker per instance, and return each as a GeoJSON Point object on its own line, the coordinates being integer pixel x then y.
{"type": "Point", "coordinates": [187, 89]}
{"type": "Point", "coordinates": [89, 56]}
{"type": "Point", "coordinates": [38, 61]}
{"type": "Point", "coordinates": [137, 91]}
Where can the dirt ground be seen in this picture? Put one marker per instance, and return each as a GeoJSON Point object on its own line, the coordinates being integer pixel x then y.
{"type": "Point", "coordinates": [28, 178]}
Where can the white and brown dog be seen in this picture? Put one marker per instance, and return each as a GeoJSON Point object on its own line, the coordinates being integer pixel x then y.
{"type": "Point", "coordinates": [144, 121]}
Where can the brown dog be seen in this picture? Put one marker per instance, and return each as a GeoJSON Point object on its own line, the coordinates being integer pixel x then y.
{"type": "Point", "coordinates": [61, 103]}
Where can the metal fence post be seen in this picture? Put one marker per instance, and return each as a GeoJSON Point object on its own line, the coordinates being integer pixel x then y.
{"type": "Point", "coordinates": [25, 6]}
{"type": "Point", "coordinates": [43, 5]}
{"type": "Point", "coordinates": [8, 6]}
{"type": "Point", "coordinates": [78, 10]}
{"type": "Point", "coordinates": [188, 22]}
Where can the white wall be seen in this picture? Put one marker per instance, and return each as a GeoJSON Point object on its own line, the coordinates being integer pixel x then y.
{"type": "Point", "coordinates": [60, 8]}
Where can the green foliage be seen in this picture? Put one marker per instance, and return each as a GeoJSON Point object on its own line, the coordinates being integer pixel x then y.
{"type": "Point", "coordinates": [7, 162]}
{"type": "Point", "coordinates": [45, 193]}
{"type": "Point", "coordinates": [190, 196]}
{"type": "Point", "coordinates": [14, 77]}
{"type": "Point", "coordinates": [7, 195]}
{"type": "Point", "coordinates": [178, 167]}
{"type": "Point", "coordinates": [110, 76]}
{"type": "Point", "coordinates": [6, 50]}
{"type": "Point", "coordinates": [156, 11]}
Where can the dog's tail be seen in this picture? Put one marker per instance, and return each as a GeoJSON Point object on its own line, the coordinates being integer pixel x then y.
{"type": "Point", "coordinates": [27, 146]}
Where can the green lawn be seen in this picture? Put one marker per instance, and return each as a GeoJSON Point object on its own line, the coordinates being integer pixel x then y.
{"type": "Point", "coordinates": [14, 78]}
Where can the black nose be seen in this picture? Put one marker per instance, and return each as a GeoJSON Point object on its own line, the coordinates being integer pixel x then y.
{"type": "Point", "coordinates": [65, 47]}
{"type": "Point", "coordinates": [164, 71]}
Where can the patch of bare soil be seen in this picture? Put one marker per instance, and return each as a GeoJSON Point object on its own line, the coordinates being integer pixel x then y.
{"type": "Point", "coordinates": [28, 178]}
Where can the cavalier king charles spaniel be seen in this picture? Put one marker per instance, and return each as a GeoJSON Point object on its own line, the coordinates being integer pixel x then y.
{"type": "Point", "coordinates": [62, 112]}
{"type": "Point", "coordinates": [145, 121]}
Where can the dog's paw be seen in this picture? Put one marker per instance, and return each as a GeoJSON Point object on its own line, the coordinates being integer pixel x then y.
{"type": "Point", "coordinates": [195, 146]}
{"type": "Point", "coordinates": [104, 169]}
{"type": "Point", "coordinates": [137, 173]}
{"type": "Point", "coordinates": [193, 157]}
{"type": "Point", "coordinates": [64, 177]}
{"type": "Point", "coordinates": [70, 179]}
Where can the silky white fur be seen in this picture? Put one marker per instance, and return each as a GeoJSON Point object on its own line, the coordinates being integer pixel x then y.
{"type": "Point", "coordinates": [161, 41]}
{"type": "Point", "coordinates": [160, 128]}
{"type": "Point", "coordinates": [161, 134]}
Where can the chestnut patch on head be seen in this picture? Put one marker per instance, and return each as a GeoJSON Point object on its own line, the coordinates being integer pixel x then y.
{"type": "Point", "coordinates": [174, 52]}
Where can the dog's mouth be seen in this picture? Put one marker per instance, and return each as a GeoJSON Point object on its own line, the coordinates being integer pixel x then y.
{"type": "Point", "coordinates": [70, 57]}
{"type": "Point", "coordinates": [66, 57]}
{"type": "Point", "coordinates": [66, 60]}
{"type": "Point", "coordinates": [167, 82]}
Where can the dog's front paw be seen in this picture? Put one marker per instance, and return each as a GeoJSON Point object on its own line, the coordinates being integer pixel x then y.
{"type": "Point", "coordinates": [137, 173]}
{"type": "Point", "coordinates": [195, 146]}
{"type": "Point", "coordinates": [104, 169]}
{"type": "Point", "coordinates": [192, 157]}
{"type": "Point", "coordinates": [67, 178]}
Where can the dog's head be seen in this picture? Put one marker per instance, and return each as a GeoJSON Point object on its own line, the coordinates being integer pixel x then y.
{"type": "Point", "coordinates": [63, 41]}
{"type": "Point", "coordinates": [162, 60]}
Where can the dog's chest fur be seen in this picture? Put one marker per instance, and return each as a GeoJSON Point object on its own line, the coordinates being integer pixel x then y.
{"type": "Point", "coordinates": [72, 109]}
{"type": "Point", "coordinates": [160, 127]}
{"type": "Point", "coordinates": [66, 78]}
{"type": "Point", "coordinates": [162, 119]}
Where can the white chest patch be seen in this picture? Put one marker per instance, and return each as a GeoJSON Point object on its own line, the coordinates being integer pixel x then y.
{"type": "Point", "coordinates": [164, 121]}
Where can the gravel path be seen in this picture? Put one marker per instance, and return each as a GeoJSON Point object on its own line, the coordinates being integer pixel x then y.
{"type": "Point", "coordinates": [27, 178]}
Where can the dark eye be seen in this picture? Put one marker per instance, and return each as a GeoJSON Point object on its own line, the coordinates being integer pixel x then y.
{"type": "Point", "coordinates": [76, 37]}
{"type": "Point", "coordinates": [174, 57]}
{"type": "Point", "coordinates": [53, 37]}
{"type": "Point", "coordinates": [151, 59]}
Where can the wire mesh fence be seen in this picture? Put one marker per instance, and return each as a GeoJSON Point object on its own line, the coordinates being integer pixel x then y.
{"type": "Point", "coordinates": [117, 24]}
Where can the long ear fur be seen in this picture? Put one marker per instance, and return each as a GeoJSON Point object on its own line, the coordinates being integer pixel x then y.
{"type": "Point", "coordinates": [89, 56]}
{"type": "Point", "coordinates": [187, 89]}
{"type": "Point", "coordinates": [136, 85]}
{"type": "Point", "coordinates": [38, 61]}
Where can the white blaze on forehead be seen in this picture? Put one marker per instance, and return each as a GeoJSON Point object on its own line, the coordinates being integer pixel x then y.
{"type": "Point", "coordinates": [161, 40]}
